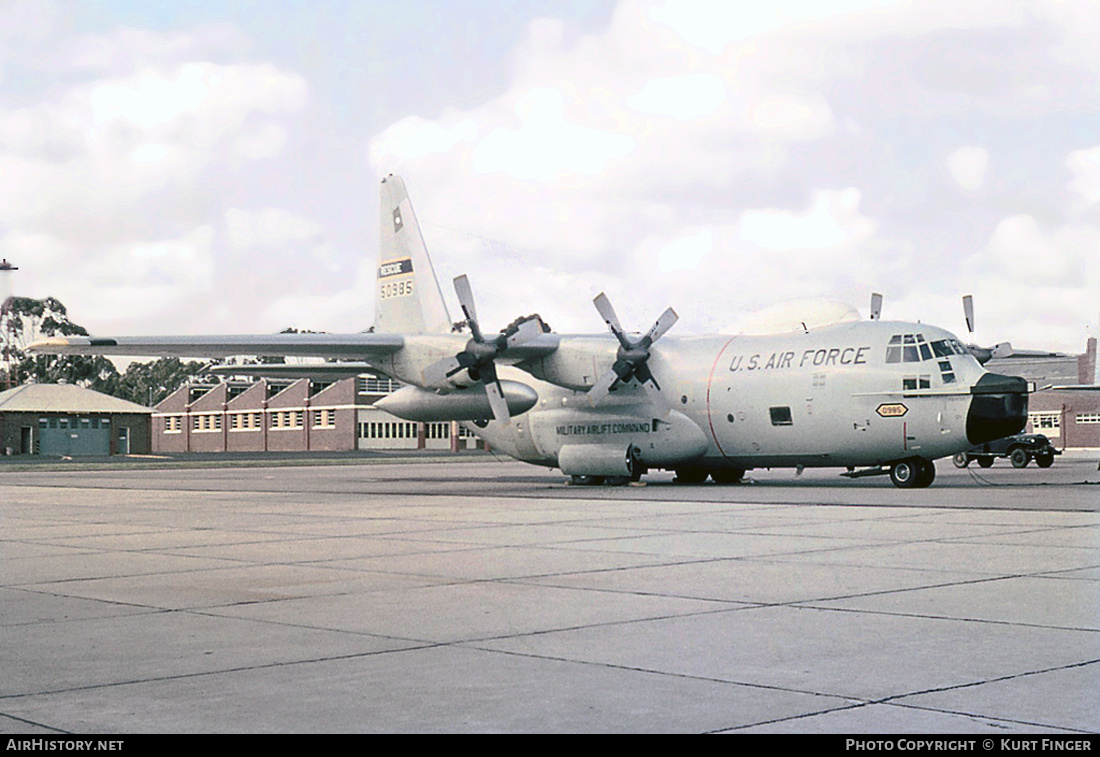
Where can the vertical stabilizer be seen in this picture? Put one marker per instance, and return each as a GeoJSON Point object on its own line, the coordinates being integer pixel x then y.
{"type": "Point", "coordinates": [409, 299]}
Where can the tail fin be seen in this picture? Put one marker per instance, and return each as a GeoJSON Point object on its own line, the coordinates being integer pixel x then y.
{"type": "Point", "coordinates": [409, 299]}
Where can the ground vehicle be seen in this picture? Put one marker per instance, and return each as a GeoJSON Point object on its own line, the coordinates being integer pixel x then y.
{"type": "Point", "coordinates": [1020, 449]}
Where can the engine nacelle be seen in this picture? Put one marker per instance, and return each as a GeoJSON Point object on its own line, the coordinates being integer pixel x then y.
{"type": "Point", "coordinates": [596, 460]}
{"type": "Point", "coordinates": [415, 404]}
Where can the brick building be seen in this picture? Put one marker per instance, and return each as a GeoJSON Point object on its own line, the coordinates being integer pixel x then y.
{"type": "Point", "coordinates": [65, 420]}
{"type": "Point", "coordinates": [292, 416]}
{"type": "Point", "coordinates": [1067, 406]}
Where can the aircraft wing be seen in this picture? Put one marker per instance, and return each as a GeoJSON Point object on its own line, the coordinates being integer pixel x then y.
{"type": "Point", "coordinates": [363, 346]}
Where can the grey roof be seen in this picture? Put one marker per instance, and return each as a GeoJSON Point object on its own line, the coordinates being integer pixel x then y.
{"type": "Point", "coordinates": [63, 398]}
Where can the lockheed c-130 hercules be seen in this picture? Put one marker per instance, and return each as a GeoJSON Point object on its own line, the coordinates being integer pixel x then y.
{"type": "Point", "coordinates": [873, 397]}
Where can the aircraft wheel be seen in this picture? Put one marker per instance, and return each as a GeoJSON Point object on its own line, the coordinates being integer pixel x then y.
{"type": "Point", "coordinates": [909, 474]}
{"type": "Point", "coordinates": [690, 475]}
{"type": "Point", "coordinates": [985, 462]}
{"type": "Point", "coordinates": [926, 474]}
{"type": "Point", "coordinates": [961, 460]}
{"type": "Point", "coordinates": [586, 480]}
{"type": "Point", "coordinates": [728, 475]}
{"type": "Point", "coordinates": [1019, 458]}
{"type": "Point", "coordinates": [1044, 461]}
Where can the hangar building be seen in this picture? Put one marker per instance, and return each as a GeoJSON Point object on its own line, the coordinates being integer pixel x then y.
{"type": "Point", "coordinates": [1067, 406]}
{"type": "Point", "coordinates": [68, 420]}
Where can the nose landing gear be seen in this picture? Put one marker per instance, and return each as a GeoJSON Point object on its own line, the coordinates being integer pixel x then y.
{"type": "Point", "coordinates": [910, 473]}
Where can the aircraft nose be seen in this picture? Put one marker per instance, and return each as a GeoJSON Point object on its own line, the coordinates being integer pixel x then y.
{"type": "Point", "coordinates": [998, 408]}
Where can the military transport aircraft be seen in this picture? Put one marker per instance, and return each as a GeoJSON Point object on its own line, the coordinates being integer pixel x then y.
{"type": "Point", "coordinates": [874, 397]}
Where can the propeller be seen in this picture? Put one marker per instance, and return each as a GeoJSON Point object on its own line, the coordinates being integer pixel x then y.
{"type": "Point", "coordinates": [632, 356]}
{"type": "Point", "coordinates": [478, 358]}
{"type": "Point", "coordinates": [982, 354]}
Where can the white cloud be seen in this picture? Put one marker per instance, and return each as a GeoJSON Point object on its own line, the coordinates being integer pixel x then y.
{"type": "Point", "coordinates": [1085, 167]}
{"type": "Point", "coordinates": [685, 253]}
{"type": "Point", "coordinates": [967, 166]}
{"type": "Point", "coordinates": [269, 227]}
{"type": "Point", "coordinates": [712, 26]}
{"type": "Point", "coordinates": [104, 159]}
{"type": "Point", "coordinates": [684, 98]}
{"type": "Point", "coordinates": [413, 138]}
{"type": "Point", "coordinates": [832, 220]}
{"type": "Point", "coordinates": [547, 145]}
{"type": "Point", "coordinates": [1025, 252]}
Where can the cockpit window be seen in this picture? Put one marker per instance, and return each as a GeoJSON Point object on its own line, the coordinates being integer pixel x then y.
{"type": "Point", "coordinates": [906, 348]}
{"type": "Point", "coordinates": [914, 348]}
{"type": "Point", "coordinates": [946, 347]}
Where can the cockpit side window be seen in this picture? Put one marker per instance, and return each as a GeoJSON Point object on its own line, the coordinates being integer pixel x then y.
{"type": "Point", "coordinates": [908, 348]}
{"type": "Point", "coordinates": [893, 350]}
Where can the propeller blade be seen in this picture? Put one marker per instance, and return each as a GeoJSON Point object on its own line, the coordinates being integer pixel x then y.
{"type": "Point", "coordinates": [466, 299]}
{"type": "Point", "coordinates": [643, 374]}
{"type": "Point", "coordinates": [876, 306]}
{"type": "Point", "coordinates": [981, 354]}
{"type": "Point", "coordinates": [968, 310]}
{"type": "Point", "coordinates": [495, 393]}
{"type": "Point", "coordinates": [603, 305]}
{"type": "Point", "coordinates": [663, 324]}
{"type": "Point", "coordinates": [602, 387]}
{"type": "Point", "coordinates": [524, 333]}
{"type": "Point", "coordinates": [438, 372]}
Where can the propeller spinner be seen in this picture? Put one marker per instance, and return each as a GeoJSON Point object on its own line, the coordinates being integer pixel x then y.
{"type": "Point", "coordinates": [632, 357]}
{"type": "Point", "coordinates": [478, 359]}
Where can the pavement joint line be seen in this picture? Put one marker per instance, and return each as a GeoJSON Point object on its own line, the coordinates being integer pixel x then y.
{"type": "Point", "coordinates": [923, 616]}
{"type": "Point", "coordinates": [221, 671]}
{"type": "Point", "coordinates": [962, 713]}
{"type": "Point", "coordinates": [662, 673]}
{"type": "Point", "coordinates": [984, 682]}
{"type": "Point", "coordinates": [33, 723]}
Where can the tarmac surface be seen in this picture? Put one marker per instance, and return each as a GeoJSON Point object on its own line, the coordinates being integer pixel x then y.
{"type": "Point", "coordinates": [354, 593]}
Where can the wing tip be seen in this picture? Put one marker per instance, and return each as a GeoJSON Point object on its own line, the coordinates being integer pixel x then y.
{"type": "Point", "coordinates": [58, 344]}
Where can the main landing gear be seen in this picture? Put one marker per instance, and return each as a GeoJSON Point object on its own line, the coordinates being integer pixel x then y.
{"type": "Point", "coordinates": [911, 473]}
{"type": "Point", "coordinates": [916, 473]}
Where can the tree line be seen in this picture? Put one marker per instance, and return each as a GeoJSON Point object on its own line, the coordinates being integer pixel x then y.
{"type": "Point", "coordinates": [24, 320]}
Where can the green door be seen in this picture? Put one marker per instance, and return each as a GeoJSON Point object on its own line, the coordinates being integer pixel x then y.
{"type": "Point", "coordinates": [73, 436]}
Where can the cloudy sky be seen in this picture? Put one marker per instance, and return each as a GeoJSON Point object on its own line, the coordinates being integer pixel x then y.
{"type": "Point", "coordinates": [213, 167]}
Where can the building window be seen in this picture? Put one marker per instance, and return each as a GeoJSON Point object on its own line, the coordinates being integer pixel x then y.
{"type": "Point", "coordinates": [1049, 424]}
{"type": "Point", "coordinates": [206, 422]}
{"type": "Point", "coordinates": [1087, 418]}
{"type": "Point", "coordinates": [366, 385]}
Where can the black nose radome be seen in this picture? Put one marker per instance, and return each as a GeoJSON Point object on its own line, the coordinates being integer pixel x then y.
{"type": "Point", "coordinates": [998, 409]}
